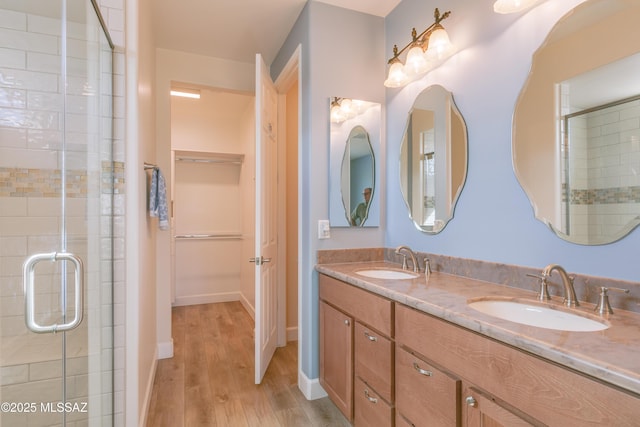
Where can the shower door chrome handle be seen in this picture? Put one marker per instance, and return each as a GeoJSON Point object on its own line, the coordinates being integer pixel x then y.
{"type": "Point", "coordinates": [28, 277]}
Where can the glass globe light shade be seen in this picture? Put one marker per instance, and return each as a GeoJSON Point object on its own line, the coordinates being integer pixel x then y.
{"type": "Point", "coordinates": [346, 108]}
{"type": "Point", "coordinates": [439, 44]}
{"type": "Point", "coordinates": [397, 76]}
{"type": "Point", "coordinates": [416, 61]}
{"type": "Point", "coordinates": [336, 114]}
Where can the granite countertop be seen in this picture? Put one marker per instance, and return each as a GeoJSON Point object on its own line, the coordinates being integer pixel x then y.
{"type": "Point", "coordinates": [611, 355]}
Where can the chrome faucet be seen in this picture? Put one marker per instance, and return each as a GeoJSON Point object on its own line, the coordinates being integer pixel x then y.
{"type": "Point", "coordinates": [414, 260]}
{"type": "Point", "coordinates": [570, 299]}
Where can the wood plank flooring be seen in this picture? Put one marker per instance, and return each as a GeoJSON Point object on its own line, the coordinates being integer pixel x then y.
{"type": "Point", "coordinates": [209, 381]}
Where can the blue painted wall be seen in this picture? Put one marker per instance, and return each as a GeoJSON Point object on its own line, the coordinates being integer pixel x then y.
{"type": "Point", "coordinates": [344, 53]}
{"type": "Point", "coordinates": [493, 220]}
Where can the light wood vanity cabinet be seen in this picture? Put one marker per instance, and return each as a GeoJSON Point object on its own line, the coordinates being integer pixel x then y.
{"type": "Point", "coordinates": [387, 364]}
{"type": "Point", "coordinates": [510, 387]}
{"type": "Point", "coordinates": [357, 371]}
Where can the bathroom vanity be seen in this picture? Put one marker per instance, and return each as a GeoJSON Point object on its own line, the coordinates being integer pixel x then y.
{"type": "Point", "coordinates": [412, 351]}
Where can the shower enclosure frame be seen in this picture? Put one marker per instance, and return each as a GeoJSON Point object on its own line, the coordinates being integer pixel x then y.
{"type": "Point", "coordinates": [56, 203]}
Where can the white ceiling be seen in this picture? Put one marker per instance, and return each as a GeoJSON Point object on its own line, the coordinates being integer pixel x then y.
{"type": "Point", "coordinates": [238, 29]}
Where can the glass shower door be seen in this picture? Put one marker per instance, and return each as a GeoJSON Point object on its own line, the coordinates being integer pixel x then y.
{"type": "Point", "coordinates": [56, 189]}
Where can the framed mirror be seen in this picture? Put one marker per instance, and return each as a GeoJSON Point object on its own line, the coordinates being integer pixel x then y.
{"type": "Point", "coordinates": [354, 142]}
{"type": "Point", "coordinates": [433, 159]}
{"type": "Point", "coordinates": [576, 129]}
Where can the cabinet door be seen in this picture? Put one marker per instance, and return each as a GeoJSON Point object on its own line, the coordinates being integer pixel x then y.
{"type": "Point", "coordinates": [336, 357]}
{"type": "Point", "coordinates": [481, 410]}
{"type": "Point", "coordinates": [425, 395]}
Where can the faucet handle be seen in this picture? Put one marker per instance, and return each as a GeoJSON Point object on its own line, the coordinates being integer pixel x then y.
{"type": "Point", "coordinates": [543, 293]}
{"type": "Point", "coordinates": [405, 266]}
{"type": "Point", "coordinates": [603, 307]}
{"type": "Point", "coordinates": [427, 268]}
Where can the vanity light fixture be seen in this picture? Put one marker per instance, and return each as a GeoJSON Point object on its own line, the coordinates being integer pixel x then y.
{"type": "Point", "coordinates": [186, 93]}
{"type": "Point", "coordinates": [346, 108]}
{"type": "Point", "coordinates": [425, 49]}
{"type": "Point", "coordinates": [512, 6]}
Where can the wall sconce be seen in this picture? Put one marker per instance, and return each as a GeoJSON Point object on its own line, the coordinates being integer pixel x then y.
{"type": "Point", "coordinates": [425, 49]}
{"type": "Point", "coordinates": [512, 6]}
{"type": "Point", "coordinates": [346, 108]}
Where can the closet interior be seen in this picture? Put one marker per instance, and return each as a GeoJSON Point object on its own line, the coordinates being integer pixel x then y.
{"type": "Point", "coordinates": [212, 198]}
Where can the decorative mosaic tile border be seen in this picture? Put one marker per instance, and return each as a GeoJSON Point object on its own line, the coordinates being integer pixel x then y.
{"type": "Point", "coordinates": [25, 182]}
{"type": "Point", "coordinates": [603, 196]}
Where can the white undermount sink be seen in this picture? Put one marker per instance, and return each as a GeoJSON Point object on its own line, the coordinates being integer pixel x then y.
{"type": "Point", "coordinates": [536, 315]}
{"type": "Point", "coordinates": [387, 273]}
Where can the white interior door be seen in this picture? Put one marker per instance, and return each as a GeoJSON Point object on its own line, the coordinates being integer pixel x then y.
{"type": "Point", "coordinates": [266, 304]}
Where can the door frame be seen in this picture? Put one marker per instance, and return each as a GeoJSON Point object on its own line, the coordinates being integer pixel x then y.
{"type": "Point", "coordinates": [290, 74]}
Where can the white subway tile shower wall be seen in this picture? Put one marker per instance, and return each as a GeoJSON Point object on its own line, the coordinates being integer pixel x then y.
{"type": "Point", "coordinates": [30, 134]}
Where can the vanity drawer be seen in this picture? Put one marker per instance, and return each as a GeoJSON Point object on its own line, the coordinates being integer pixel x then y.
{"type": "Point", "coordinates": [425, 395]}
{"type": "Point", "coordinates": [371, 309]}
{"type": "Point", "coordinates": [370, 410]}
{"type": "Point", "coordinates": [374, 360]}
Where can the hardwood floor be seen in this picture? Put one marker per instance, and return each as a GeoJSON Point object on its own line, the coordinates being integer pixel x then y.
{"type": "Point", "coordinates": [209, 381]}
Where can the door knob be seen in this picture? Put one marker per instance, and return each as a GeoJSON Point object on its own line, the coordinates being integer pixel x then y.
{"type": "Point", "coordinates": [259, 260]}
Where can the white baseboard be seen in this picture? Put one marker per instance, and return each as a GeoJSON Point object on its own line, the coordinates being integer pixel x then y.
{"type": "Point", "coordinates": [146, 401]}
{"type": "Point", "coordinates": [311, 389]}
{"type": "Point", "coordinates": [292, 333]}
{"type": "Point", "coordinates": [207, 298]}
{"type": "Point", "coordinates": [165, 350]}
{"type": "Point", "coordinates": [247, 306]}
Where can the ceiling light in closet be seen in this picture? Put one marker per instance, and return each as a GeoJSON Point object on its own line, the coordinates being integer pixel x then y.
{"type": "Point", "coordinates": [186, 93]}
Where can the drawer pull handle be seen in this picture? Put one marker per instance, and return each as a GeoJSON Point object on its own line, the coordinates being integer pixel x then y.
{"type": "Point", "coordinates": [422, 371]}
{"type": "Point", "coordinates": [370, 337]}
{"type": "Point", "coordinates": [471, 401]}
{"type": "Point", "coordinates": [371, 399]}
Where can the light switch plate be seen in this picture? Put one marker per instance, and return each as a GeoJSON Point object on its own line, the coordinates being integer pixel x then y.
{"type": "Point", "coordinates": [324, 230]}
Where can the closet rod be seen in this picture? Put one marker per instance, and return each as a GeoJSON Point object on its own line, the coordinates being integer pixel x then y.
{"type": "Point", "coordinates": [210, 236]}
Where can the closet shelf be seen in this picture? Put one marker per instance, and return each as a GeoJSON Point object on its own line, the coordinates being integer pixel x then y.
{"type": "Point", "coordinates": [209, 157]}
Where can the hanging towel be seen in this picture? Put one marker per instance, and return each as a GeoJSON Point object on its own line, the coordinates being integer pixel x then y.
{"type": "Point", "coordinates": [158, 199]}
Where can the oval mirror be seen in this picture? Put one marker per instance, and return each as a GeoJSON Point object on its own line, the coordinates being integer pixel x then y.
{"type": "Point", "coordinates": [354, 142]}
{"type": "Point", "coordinates": [576, 129]}
{"type": "Point", "coordinates": [358, 176]}
{"type": "Point", "coordinates": [433, 159]}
